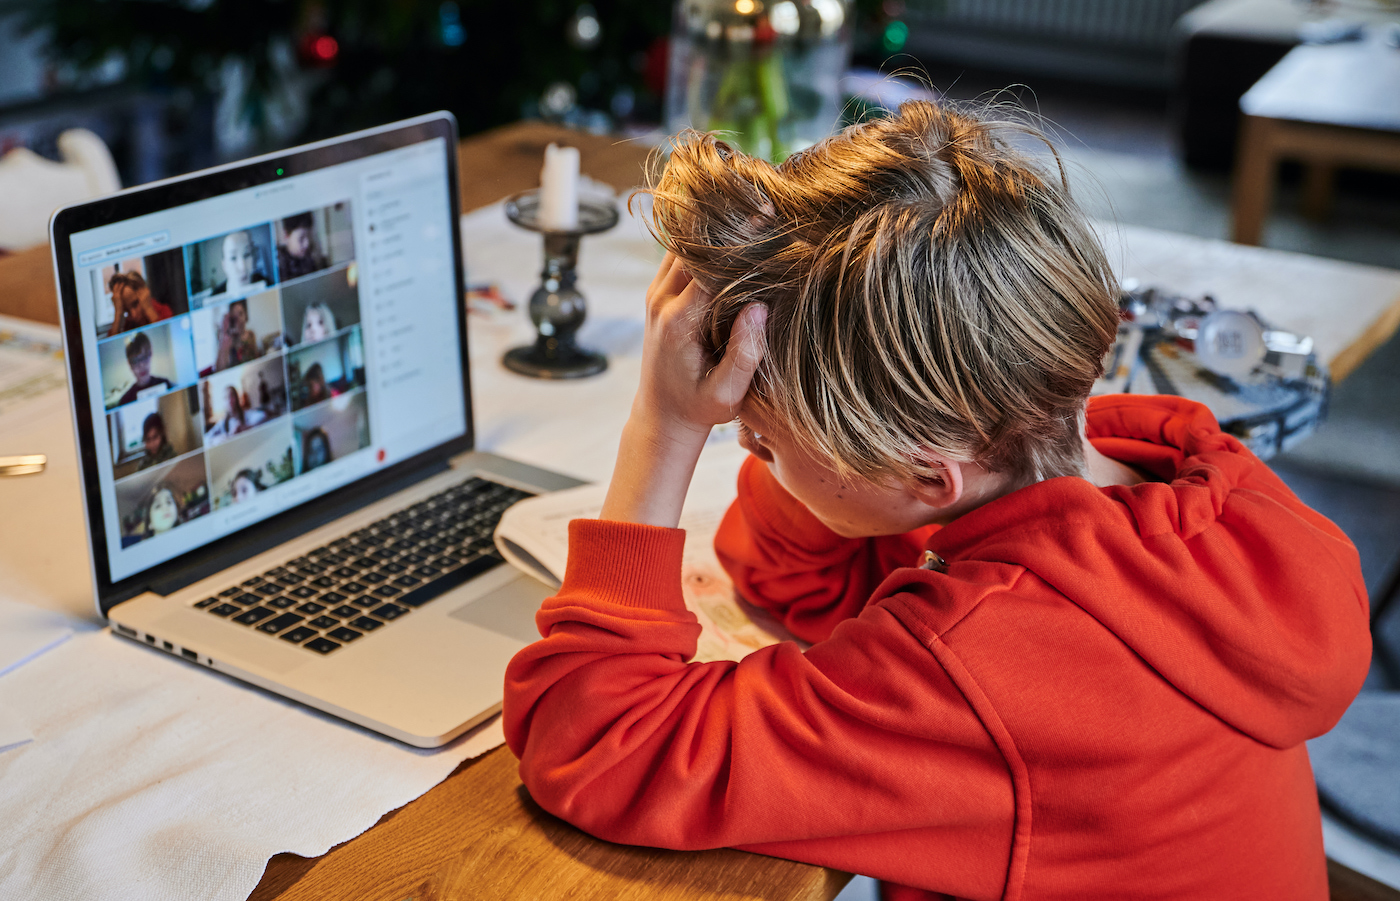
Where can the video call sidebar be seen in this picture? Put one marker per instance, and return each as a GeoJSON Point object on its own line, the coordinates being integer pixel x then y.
{"type": "Point", "coordinates": [409, 258]}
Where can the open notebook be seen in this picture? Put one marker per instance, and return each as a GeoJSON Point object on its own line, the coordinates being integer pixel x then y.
{"type": "Point", "coordinates": [534, 536]}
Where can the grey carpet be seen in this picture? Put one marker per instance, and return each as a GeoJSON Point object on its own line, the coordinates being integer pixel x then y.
{"type": "Point", "coordinates": [1357, 766]}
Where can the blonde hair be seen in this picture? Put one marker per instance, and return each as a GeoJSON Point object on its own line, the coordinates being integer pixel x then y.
{"type": "Point", "coordinates": [928, 286]}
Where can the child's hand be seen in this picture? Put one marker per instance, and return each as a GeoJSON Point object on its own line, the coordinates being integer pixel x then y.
{"type": "Point", "coordinates": [682, 392]}
{"type": "Point", "coordinates": [680, 397]}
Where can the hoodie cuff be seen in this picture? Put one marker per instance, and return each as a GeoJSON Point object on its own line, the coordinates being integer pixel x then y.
{"type": "Point", "coordinates": [624, 563]}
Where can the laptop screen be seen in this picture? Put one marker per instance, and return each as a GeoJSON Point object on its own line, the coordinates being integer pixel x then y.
{"type": "Point", "coordinates": [250, 351]}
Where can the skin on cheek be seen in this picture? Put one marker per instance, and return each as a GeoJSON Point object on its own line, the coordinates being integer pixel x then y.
{"type": "Point", "coordinates": [849, 510]}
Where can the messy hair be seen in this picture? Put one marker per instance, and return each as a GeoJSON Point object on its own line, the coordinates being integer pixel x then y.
{"type": "Point", "coordinates": [128, 279]}
{"type": "Point", "coordinates": [928, 287]}
{"type": "Point", "coordinates": [296, 221]}
{"type": "Point", "coordinates": [139, 345]}
{"type": "Point", "coordinates": [154, 421]}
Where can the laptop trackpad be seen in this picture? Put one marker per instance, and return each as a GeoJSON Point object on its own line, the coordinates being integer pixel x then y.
{"type": "Point", "coordinates": [509, 610]}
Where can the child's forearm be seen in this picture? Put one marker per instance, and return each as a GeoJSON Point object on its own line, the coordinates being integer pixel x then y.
{"type": "Point", "coordinates": [682, 394]}
{"type": "Point", "coordinates": [617, 734]}
{"type": "Point", "coordinates": [653, 472]}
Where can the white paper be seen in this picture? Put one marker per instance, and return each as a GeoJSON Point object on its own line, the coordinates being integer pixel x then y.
{"type": "Point", "coordinates": [729, 628]}
{"type": "Point", "coordinates": [539, 527]}
{"type": "Point", "coordinates": [32, 375]}
{"type": "Point", "coordinates": [26, 632]}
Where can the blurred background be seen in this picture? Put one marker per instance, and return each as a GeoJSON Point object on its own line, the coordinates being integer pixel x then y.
{"type": "Point", "coordinates": [1143, 94]}
{"type": "Point", "coordinates": [176, 85]}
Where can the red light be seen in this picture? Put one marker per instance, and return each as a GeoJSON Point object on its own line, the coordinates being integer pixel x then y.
{"type": "Point", "coordinates": [380, 455]}
{"type": "Point", "coordinates": [325, 48]}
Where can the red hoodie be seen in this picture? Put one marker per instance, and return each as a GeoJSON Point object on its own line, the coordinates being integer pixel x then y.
{"type": "Point", "coordinates": [1104, 695]}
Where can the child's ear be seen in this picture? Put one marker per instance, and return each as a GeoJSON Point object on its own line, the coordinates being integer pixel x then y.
{"type": "Point", "coordinates": [944, 487]}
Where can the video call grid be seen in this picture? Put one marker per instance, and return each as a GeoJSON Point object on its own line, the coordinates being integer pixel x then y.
{"type": "Point", "coordinates": [315, 263]}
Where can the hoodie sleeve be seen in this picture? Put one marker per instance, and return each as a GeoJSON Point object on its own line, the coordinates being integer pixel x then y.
{"type": "Point", "coordinates": [1258, 607]}
{"type": "Point", "coordinates": [783, 559]}
{"type": "Point", "coordinates": [861, 750]}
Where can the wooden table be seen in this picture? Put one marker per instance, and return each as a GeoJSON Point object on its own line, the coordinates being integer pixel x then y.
{"type": "Point", "coordinates": [478, 834]}
{"type": "Point", "coordinates": [1349, 310]}
{"type": "Point", "coordinates": [1330, 106]}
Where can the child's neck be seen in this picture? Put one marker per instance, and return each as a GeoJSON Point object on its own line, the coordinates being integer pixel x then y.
{"type": "Point", "coordinates": [982, 487]}
{"type": "Point", "coordinates": [1105, 471]}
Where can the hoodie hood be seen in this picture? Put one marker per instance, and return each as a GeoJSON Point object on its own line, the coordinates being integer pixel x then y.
{"type": "Point", "coordinates": [1218, 577]}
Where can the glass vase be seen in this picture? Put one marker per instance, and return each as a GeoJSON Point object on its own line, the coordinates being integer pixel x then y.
{"type": "Point", "coordinates": [766, 74]}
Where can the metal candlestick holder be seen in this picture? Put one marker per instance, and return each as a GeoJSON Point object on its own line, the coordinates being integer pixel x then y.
{"type": "Point", "coordinates": [557, 309]}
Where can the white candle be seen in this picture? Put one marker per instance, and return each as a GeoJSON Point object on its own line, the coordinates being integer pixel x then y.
{"type": "Point", "coordinates": [559, 188]}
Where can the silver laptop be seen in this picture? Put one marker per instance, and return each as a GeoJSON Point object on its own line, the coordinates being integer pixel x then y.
{"type": "Point", "coordinates": [268, 369]}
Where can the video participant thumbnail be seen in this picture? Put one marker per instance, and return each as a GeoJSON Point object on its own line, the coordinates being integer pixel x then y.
{"type": "Point", "coordinates": [156, 500]}
{"type": "Point", "coordinates": [314, 240]}
{"type": "Point", "coordinates": [231, 265]}
{"type": "Point", "coordinates": [153, 430]}
{"type": "Point", "coordinates": [146, 363]}
{"type": "Point", "coordinates": [236, 400]}
{"type": "Point", "coordinates": [138, 292]}
{"type": "Point", "coordinates": [317, 308]}
{"type": "Point", "coordinates": [326, 370]}
{"type": "Point", "coordinates": [244, 468]}
{"type": "Point", "coordinates": [235, 332]}
{"type": "Point", "coordinates": [330, 432]}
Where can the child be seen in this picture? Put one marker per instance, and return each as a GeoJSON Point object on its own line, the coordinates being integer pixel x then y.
{"type": "Point", "coordinates": [241, 264]}
{"type": "Point", "coordinates": [297, 253]}
{"type": "Point", "coordinates": [236, 343]}
{"type": "Point", "coordinates": [317, 323]}
{"type": "Point", "coordinates": [139, 354]}
{"type": "Point", "coordinates": [1055, 657]}
{"type": "Point", "coordinates": [236, 418]}
{"type": "Point", "coordinates": [314, 388]}
{"type": "Point", "coordinates": [246, 485]}
{"type": "Point", "coordinates": [134, 303]}
{"type": "Point", "coordinates": [164, 510]}
{"type": "Point", "coordinates": [315, 449]}
{"type": "Point", "coordinates": [154, 441]}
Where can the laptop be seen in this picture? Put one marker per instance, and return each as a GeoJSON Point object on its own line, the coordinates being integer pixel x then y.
{"type": "Point", "coordinates": [268, 372]}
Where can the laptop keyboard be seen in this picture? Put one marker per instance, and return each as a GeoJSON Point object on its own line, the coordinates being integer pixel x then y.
{"type": "Point", "coordinates": [358, 584]}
